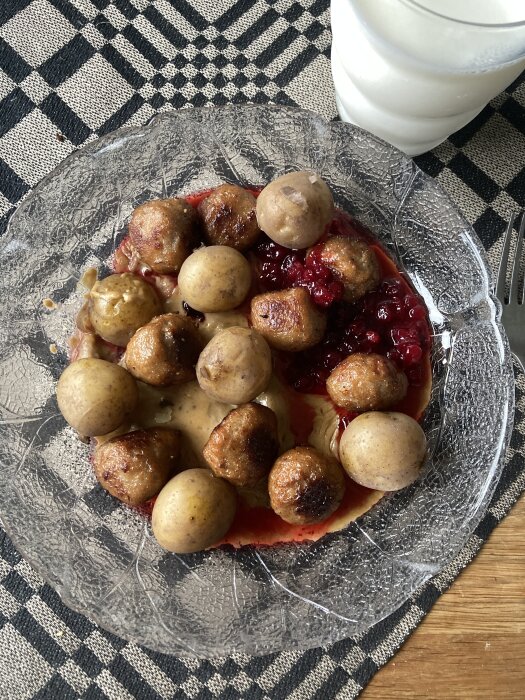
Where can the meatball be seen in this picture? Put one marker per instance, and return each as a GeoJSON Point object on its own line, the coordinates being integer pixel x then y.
{"type": "Point", "coordinates": [305, 486]}
{"type": "Point", "coordinates": [288, 319]}
{"type": "Point", "coordinates": [135, 466]}
{"type": "Point", "coordinates": [95, 396]}
{"type": "Point", "coordinates": [164, 351]}
{"type": "Point", "coordinates": [215, 278]}
{"type": "Point", "coordinates": [235, 366]}
{"type": "Point", "coordinates": [243, 447]}
{"type": "Point", "coordinates": [193, 511]}
{"type": "Point", "coordinates": [366, 383]}
{"type": "Point", "coordinates": [164, 232]}
{"type": "Point", "coordinates": [228, 216]}
{"type": "Point", "coordinates": [119, 305]}
{"type": "Point", "coordinates": [295, 209]}
{"type": "Point", "coordinates": [353, 263]}
{"type": "Point", "coordinates": [383, 451]}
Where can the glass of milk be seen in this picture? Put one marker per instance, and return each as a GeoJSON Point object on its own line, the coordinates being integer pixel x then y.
{"type": "Point", "coordinates": [415, 71]}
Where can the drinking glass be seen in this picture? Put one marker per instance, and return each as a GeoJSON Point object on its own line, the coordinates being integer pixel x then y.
{"type": "Point", "coordinates": [415, 71]}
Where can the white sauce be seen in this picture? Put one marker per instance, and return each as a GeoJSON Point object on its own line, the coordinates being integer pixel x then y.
{"type": "Point", "coordinates": [188, 409]}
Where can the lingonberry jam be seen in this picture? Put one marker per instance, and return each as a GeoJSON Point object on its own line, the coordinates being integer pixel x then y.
{"type": "Point", "coordinates": [390, 320]}
{"type": "Point", "coordinates": [280, 268]}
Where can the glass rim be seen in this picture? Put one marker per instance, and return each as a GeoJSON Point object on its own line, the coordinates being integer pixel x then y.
{"type": "Point", "coordinates": [491, 25]}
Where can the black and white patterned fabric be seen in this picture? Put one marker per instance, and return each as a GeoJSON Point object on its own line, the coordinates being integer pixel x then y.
{"type": "Point", "coordinates": [71, 70]}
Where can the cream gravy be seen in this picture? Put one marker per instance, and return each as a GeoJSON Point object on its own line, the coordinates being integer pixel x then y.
{"type": "Point", "coordinates": [188, 409]}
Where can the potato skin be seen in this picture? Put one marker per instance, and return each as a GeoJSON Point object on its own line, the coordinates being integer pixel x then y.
{"type": "Point", "coordinates": [295, 209]}
{"type": "Point", "coordinates": [243, 447]}
{"type": "Point", "coordinates": [215, 278]}
{"type": "Point", "coordinates": [383, 450]}
{"type": "Point", "coordinates": [164, 232]}
{"type": "Point", "coordinates": [353, 263]}
{"type": "Point", "coordinates": [235, 366]}
{"type": "Point", "coordinates": [305, 486]}
{"type": "Point", "coordinates": [287, 319]}
{"type": "Point", "coordinates": [164, 351]}
{"type": "Point", "coordinates": [228, 217]}
{"type": "Point", "coordinates": [96, 396]}
{"type": "Point", "coordinates": [193, 511]}
{"type": "Point", "coordinates": [364, 382]}
{"type": "Point", "coordinates": [135, 466]}
{"type": "Point", "coordinates": [119, 305]}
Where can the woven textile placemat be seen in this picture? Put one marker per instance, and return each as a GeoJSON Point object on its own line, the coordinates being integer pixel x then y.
{"type": "Point", "coordinates": [71, 70]}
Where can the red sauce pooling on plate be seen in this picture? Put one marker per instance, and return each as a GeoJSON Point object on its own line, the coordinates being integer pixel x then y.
{"type": "Point", "coordinates": [392, 320]}
{"type": "Point", "coordinates": [261, 526]}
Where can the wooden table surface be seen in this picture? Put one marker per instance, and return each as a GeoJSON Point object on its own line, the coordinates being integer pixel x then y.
{"type": "Point", "coordinates": [472, 644]}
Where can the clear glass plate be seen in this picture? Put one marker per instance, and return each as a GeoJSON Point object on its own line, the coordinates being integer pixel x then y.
{"type": "Point", "coordinates": [99, 555]}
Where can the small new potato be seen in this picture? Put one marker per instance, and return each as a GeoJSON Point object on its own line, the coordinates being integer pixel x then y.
{"type": "Point", "coordinates": [295, 209]}
{"type": "Point", "coordinates": [215, 278]}
{"type": "Point", "coordinates": [120, 304]}
{"type": "Point", "coordinates": [235, 366]}
{"type": "Point", "coordinates": [383, 450]}
{"type": "Point", "coordinates": [193, 511]}
{"type": "Point", "coordinates": [96, 396]}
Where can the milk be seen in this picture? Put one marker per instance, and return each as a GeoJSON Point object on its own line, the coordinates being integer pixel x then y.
{"type": "Point", "coordinates": [478, 11]}
{"type": "Point", "coordinates": [413, 77]}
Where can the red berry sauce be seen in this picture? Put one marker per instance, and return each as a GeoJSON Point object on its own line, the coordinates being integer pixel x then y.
{"type": "Point", "coordinates": [281, 267]}
{"type": "Point", "coordinates": [391, 320]}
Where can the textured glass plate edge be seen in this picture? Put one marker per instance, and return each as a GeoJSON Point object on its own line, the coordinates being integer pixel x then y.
{"type": "Point", "coordinates": [475, 244]}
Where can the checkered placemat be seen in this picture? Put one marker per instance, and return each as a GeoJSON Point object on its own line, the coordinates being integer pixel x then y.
{"type": "Point", "coordinates": [71, 70]}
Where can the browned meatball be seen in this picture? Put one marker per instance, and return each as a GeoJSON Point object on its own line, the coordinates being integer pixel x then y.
{"type": "Point", "coordinates": [353, 263]}
{"type": "Point", "coordinates": [164, 351]}
{"type": "Point", "coordinates": [164, 232]}
{"type": "Point", "coordinates": [288, 319]}
{"type": "Point", "coordinates": [228, 215]}
{"type": "Point", "coordinates": [305, 486]}
{"type": "Point", "coordinates": [135, 466]}
{"type": "Point", "coordinates": [243, 447]}
{"type": "Point", "coordinates": [366, 383]}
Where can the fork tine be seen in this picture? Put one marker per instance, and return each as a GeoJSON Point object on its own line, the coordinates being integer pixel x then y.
{"type": "Point", "coordinates": [521, 234]}
{"type": "Point", "coordinates": [502, 271]}
{"type": "Point", "coordinates": [516, 265]}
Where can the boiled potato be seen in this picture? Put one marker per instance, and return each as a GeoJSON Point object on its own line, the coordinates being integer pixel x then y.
{"type": "Point", "coordinates": [96, 396]}
{"type": "Point", "coordinates": [295, 209]}
{"type": "Point", "coordinates": [193, 511]}
{"type": "Point", "coordinates": [120, 304]}
{"type": "Point", "coordinates": [215, 278]}
{"type": "Point", "coordinates": [235, 366]}
{"type": "Point", "coordinates": [383, 450]}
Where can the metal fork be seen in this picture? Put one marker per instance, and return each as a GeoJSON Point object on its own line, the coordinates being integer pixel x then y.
{"type": "Point", "coordinates": [513, 307]}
